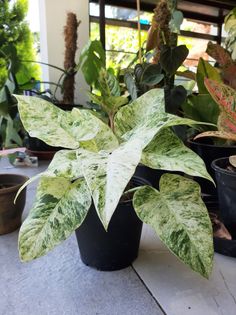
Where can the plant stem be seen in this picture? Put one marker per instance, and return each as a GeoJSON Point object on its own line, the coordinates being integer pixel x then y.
{"type": "Point", "coordinates": [139, 32]}
{"type": "Point", "coordinates": [111, 121]}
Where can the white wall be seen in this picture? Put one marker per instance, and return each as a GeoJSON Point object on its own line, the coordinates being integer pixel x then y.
{"type": "Point", "coordinates": [52, 22]}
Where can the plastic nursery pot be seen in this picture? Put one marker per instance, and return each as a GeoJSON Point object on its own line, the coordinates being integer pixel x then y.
{"type": "Point", "coordinates": [226, 187]}
{"type": "Point", "coordinates": [118, 247]}
{"type": "Point", "coordinates": [10, 213]}
{"type": "Point", "coordinates": [208, 151]}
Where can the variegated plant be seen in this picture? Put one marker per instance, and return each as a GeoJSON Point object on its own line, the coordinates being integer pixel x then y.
{"type": "Point", "coordinates": [225, 97]}
{"type": "Point", "coordinates": [98, 167]}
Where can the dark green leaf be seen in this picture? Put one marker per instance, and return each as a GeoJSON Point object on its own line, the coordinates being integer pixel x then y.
{"type": "Point", "coordinates": [172, 58]}
{"type": "Point", "coordinates": [152, 75]}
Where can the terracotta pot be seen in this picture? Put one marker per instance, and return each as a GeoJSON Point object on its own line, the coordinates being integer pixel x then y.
{"type": "Point", "coordinates": [10, 213]}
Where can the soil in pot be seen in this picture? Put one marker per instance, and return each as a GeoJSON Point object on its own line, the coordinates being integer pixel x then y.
{"type": "Point", "coordinates": [118, 247]}
{"type": "Point", "coordinates": [10, 213]}
{"type": "Point", "coordinates": [208, 151]}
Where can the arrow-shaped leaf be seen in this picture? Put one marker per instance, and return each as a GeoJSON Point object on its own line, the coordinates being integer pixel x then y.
{"type": "Point", "coordinates": [108, 174]}
{"type": "Point", "coordinates": [180, 218]}
{"type": "Point", "coordinates": [167, 152]}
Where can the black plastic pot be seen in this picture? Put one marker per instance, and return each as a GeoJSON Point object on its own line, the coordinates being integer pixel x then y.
{"type": "Point", "coordinates": [118, 247]}
{"type": "Point", "coordinates": [226, 187]}
{"type": "Point", "coordinates": [208, 151]}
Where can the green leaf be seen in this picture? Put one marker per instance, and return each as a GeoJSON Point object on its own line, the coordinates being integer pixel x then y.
{"type": "Point", "coordinates": [167, 152]}
{"type": "Point", "coordinates": [131, 85]}
{"type": "Point", "coordinates": [54, 126]}
{"type": "Point", "coordinates": [108, 174]}
{"type": "Point", "coordinates": [92, 59]}
{"type": "Point", "coordinates": [171, 58]}
{"type": "Point", "coordinates": [152, 75]}
{"type": "Point", "coordinates": [108, 84]}
{"type": "Point", "coordinates": [176, 21]}
{"type": "Point", "coordinates": [59, 209]}
{"type": "Point", "coordinates": [206, 70]}
{"type": "Point", "coordinates": [180, 218]}
{"type": "Point", "coordinates": [12, 137]}
{"type": "Point", "coordinates": [201, 107]}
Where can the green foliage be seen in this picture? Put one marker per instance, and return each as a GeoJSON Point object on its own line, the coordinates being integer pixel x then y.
{"type": "Point", "coordinates": [92, 60]}
{"type": "Point", "coordinates": [206, 70]}
{"type": "Point", "coordinates": [225, 97]}
{"type": "Point", "coordinates": [105, 169]}
{"type": "Point", "coordinates": [16, 41]}
{"type": "Point", "coordinates": [16, 45]}
{"type": "Point", "coordinates": [202, 107]}
{"type": "Point", "coordinates": [172, 58]}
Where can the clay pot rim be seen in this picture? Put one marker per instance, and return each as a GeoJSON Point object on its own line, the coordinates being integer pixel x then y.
{"type": "Point", "coordinates": [16, 186]}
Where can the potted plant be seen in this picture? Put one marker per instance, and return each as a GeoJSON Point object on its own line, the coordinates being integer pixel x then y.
{"type": "Point", "coordinates": [99, 164]}
{"type": "Point", "coordinates": [10, 212]}
{"type": "Point", "coordinates": [205, 107]}
{"type": "Point", "coordinates": [225, 173]}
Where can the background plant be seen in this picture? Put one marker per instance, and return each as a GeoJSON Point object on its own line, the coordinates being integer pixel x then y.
{"type": "Point", "coordinates": [16, 44]}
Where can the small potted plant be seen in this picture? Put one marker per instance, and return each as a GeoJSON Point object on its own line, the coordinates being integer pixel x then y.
{"type": "Point", "coordinates": [10, 212]}
{"type": "Point", "coordinates": [91, 177]}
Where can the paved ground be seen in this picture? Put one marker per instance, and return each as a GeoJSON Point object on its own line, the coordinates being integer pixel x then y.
{"type": "Point", "coordinates": [59, 283]}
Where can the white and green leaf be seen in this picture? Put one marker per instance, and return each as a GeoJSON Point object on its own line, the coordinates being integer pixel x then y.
{"type": "Point", "coordinates": [59, 209]}
{"type": "Point", "coordinates": [108, 174]}
{"type": "Point", "coordinates": [145, 117]}
{"type": "Point", "coordinates": [104, 139]}
{"type": "Point", "coordinates": [141, 109]}
{"type": "Point", "coordinates": [167, 152]}
{"type": "Point", "coordinates": [180, 218]}
{"type": "Point", "coordinates": [54, 126]}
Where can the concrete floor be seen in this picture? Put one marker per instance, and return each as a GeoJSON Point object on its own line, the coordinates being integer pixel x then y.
{"type": "Point", "coordinates": [59, 283]}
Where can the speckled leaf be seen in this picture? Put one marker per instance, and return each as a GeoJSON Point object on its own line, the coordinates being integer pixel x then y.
{"type": "Point", "coordinates": [107, 175]}
{"type": "Point", "coordinates": [104, 139]}
{"type": "Point", "coordinates": [59, 209]}
{"type": "Point", "coordinates": [145, 117]}
{"type": "Point", "coordinates": [65, 164]}
{"type": "Point", "coordinates": [180, 218]}
{"type": "Point", "coordinates": [167, 152]}
{"type": "Point", "coordinates": [54, 126]}
{"type": "Point", "coordinates": [131, 115]}
{"type": "Point", "coordinates": [217, 134]}
{"type": "Point", "coordinates": [224, 96]}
